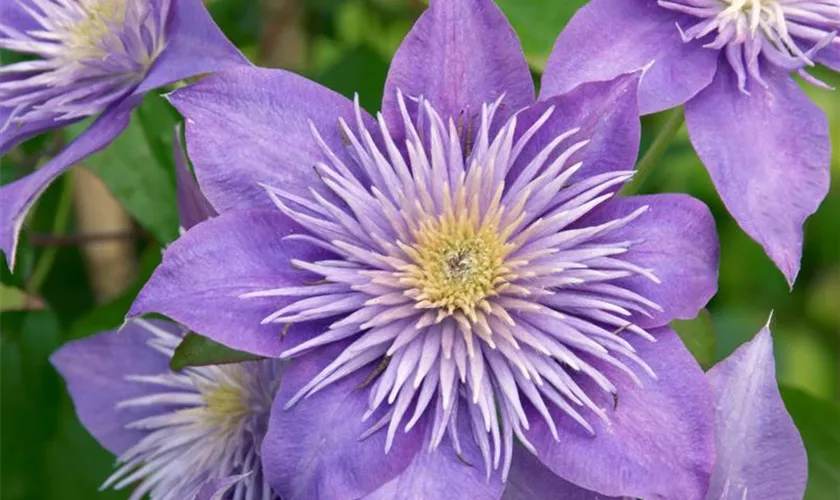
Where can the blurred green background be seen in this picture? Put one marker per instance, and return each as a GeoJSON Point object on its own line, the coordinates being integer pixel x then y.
{"type": "Point", "coordinates": [82, 258]}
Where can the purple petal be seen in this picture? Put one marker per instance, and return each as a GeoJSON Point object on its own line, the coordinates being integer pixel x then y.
{"type": "Point", "coordinates": [314, 450]}
{"type": "Point", "coordinates": [459, 55]}
{"type": "Point", "coordinates": [19, 133]}
{"type": "Point", "coordinates": [759, 449]}
{"type": "Point", "coordinates": [768, 154]}
{"type": "Point", "coordinates": [13, 15]}
{"type": "Point", "coordinates": [215, 490]}
{"type": "Point", "coordinates": [606, 113]}
{"type": "Point", "coordinates": [194, 46]}
{"type": "Point", "coordinates": [204, 273]}
{"type": "Point", "coordinates": [830, 57]}
{"type": "Point", "coordinates": [660, 442]}
{"type": "Point", "coordinates": [678, 242]}
{"type": "Point", "coordinates": [529, 479]}
{"type": "Point", "coordinates": [251, 125]}
{"type": "Point", "coordinates": [6, 142]}
{"type": "Point", "coordinates": [607, 38]}
{"type": "Point", "coordinates": [95, 368]}
{"type": "Point", "coordinates": [441, 474]}
{"type": "Point", "coordinates": [193, 207]}
{"type": "Point", "coordinates": [19, 196]}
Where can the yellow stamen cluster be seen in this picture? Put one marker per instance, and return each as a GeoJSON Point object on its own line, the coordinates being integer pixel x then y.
{"type": "Point", "coordinates": [101, 16]}
{"type": "Point", "coordinates": [458, 257]}
{"type": "Point", "coordinates": [225, 403]}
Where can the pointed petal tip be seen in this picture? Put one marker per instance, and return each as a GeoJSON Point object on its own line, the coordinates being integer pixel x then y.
{"type": "Point", "coordinates": [759, 447]}
{"type": "Point", "coordinates": [762, 342]}
{"type": "Point", "coordinates": [791, 273]}
{"type": "Point", "coordinates": [459, 55]}
{"type": "Point", "coordinates": [787, 177]}
{"type": "Point", "coordinates": [8, 245]}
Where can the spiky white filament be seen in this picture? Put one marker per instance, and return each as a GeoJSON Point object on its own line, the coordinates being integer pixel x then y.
{"type": "Point", "coordinates": [788, 33]}
{"type": "Point", "coordinates": [192, 438]}
{"type": "Point", "coordinates": [91, 53]}
{"type": "Point", "coordinates": [531, 340]}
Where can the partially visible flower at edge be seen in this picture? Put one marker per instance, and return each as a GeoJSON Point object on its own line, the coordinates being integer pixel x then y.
{"type": "Point", "coordinates": [448, 275]}
{"type": "Point", "coordinates": [97, 57]}
{"type": "Point", "coordinates": [195, 434]}
{"type": "Point", "coordinates": [764, 143]}
{"type": "Point", "coordinates": [759, 450]}
{"type": "Point", "coordinates": [174, 433]}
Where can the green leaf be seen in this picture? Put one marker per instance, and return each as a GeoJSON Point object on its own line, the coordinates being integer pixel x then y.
{"type": "Point", "coordinates": [45, 453]}
{"type": "Point", "coordinates": [29, 391]}
{"type": "Point", "coordinates": [360, 70]}
{"type": "Point", "coordinates": [817, 421]}
{"type": "Point", "coordinates": [238, 20]}
{"type": "Point", "coordinates": [196, 350]}
{"type": "Point", "coordinates": [698, 335]}
{"type": "Point", "coordinates": [111, 315]}
{"type": "Point", "coordinates": [77, 465]}
{"type": "Point", "coordinates": [158, 119]}
{"type": "Point", "coordinates": [138, 168]}
{"type": "Point", "coordinates": [538, 22]}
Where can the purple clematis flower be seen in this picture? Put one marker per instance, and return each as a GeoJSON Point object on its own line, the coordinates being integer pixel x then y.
{"type": "Point", "coordinates": [449, 276]}
{"type": "Point", "coordinates": [759, 451]}
{"type": "Point", "coordinates": [191, 434]}
{"type": "Point", "coordinates": [764, 143]}
{"type": "Point", "coordinates": [93, 57]}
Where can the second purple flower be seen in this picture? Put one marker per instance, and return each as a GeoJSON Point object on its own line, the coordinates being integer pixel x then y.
{"type": "Point", "coordinates": [763, 141]}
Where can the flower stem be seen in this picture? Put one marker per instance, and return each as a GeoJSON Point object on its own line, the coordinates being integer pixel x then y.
{"type": "Point", "coordinates": [60, 222]}
{"type": "Point", "coordinates": [654, 153]}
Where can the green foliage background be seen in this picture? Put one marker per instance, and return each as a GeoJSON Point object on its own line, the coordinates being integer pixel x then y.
{"type": "Point", "coordinates": [347, 45]}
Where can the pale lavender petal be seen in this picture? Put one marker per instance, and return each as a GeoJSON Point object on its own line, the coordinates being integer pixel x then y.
{"type": "Point", "coordinates": [14, 15]}
{"type": "Point", "coordinates": [678, 243]}
{"type": "Point", "coordinates": [194, 45]}
{"type": "Point", "coordinates": [660, 439]}
{"type": "Point", "coordinates": [442, 474]}
{"type": "Point", "coordinates": [759, 451]}
{"type": "Point", "coordinates": [830, 56]}
{"type": "Point", "coordinates": [529, 479]}
{"type": "Point", "coordinates": [216, 489]}
{"type": "Point", "coordinates": [607, 38]}
{"type": "Point", "coordinates": [459, 55]}
{"type": "Point", "coordinates": [19, 133]}
{"type": "Point", "coordinates": [19, 196]}
{"type": "Point", "coordinates": [204, 274]}
{"type": "Point", "coordinates": [768, 154]}
{"type": "Point", "coordinates": [250, 126]}
{"type": "Point", "coordinates": [607, 115]}
{"type": "Point", "coordinates": [315, 450]}
{"type": "Point", "coordinates": [95, 368]}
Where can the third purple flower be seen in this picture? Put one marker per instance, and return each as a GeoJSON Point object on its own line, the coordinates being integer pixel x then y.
{"type": "Point", "coordinates": [91, 58]}
{"type": "Point", "coordinates": [764, 143]}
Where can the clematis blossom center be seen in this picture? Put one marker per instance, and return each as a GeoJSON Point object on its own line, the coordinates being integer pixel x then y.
{"type": "Point", "coordinates": [211, 419]}
{"type": "Point", "coordinates": [92, 52]}
{"type": "Point", "coordinates": [457, 260]}
{"type": "Point", "coordinates": [226, 400]}
{"type": "Point", "coordinates": [96, 21]}
{"type": "Point", "coordinates": [788, 33]}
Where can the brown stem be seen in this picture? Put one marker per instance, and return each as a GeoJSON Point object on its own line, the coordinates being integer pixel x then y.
{"type": "Point", "coordinates": [69, 240]}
